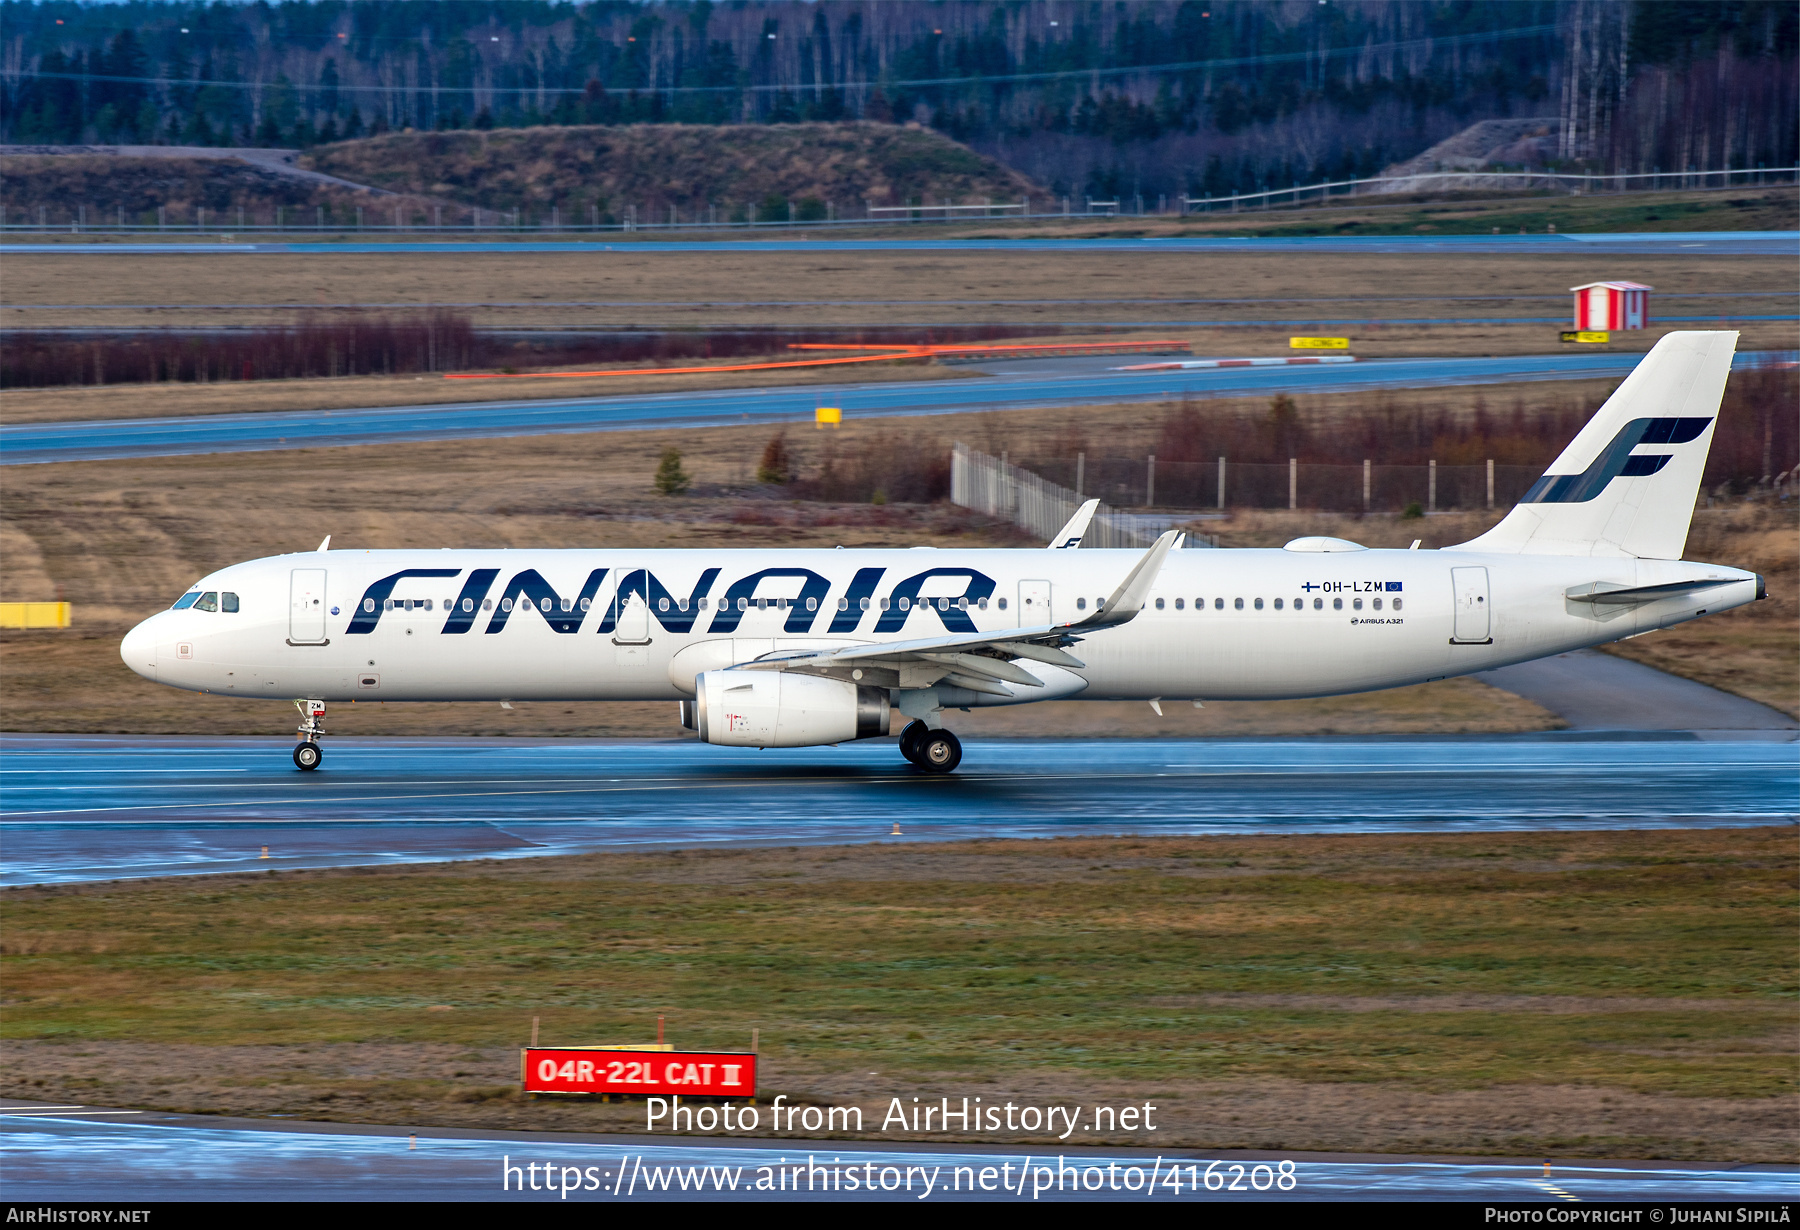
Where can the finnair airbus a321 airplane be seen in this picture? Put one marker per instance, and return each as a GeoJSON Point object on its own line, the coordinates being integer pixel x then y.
{"type": "Point", "coordinates": [808, 647]}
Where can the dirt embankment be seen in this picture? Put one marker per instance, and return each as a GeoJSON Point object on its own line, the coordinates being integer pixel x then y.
{"type": "Point", "coordinates": [655, 166]}
{"type": "Point", "coordinates": [101, 189]}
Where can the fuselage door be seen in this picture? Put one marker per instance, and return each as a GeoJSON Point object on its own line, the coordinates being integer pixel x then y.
{"type": "Point", "coordinates": [306, 606]}
{"type": "Point", "coordinates": [634, 621]}
{"type": "Point", "coordinates": [1034, 603]}
{"type": "Point", "coordinates": [1474, 622]}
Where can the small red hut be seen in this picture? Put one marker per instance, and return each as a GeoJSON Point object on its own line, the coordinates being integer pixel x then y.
{"type": "Point", "coordinates": [1608, 307]}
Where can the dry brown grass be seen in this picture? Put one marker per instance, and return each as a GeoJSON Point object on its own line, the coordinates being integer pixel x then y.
{"type": "Point", "coordinates": [1754, 650]}
{"type": "Point", "coordinates": [605, 289]}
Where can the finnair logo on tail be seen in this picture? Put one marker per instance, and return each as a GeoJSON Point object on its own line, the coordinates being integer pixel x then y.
{"type": "Point", "coordinates": [1616, 460]}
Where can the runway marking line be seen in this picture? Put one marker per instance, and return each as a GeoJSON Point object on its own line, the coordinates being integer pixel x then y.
{"type": "Point", "coordinates": [646, 787]}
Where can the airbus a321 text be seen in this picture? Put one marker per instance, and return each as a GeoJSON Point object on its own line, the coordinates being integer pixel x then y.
{"type": "Point", "coordinates": [795, 648]}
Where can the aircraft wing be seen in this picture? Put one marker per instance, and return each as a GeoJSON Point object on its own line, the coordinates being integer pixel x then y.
{"type": "Point", "coordinates": [978, 661]}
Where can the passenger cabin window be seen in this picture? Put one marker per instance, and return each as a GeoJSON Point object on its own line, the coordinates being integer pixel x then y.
{"type": "Point", "coordinates": [1337, 604]}
{"type": "Point", "coordinates": [1318, 604]}
{"type": "Point", "coordinates": [1178, 603]}
{"type": "Point", "coordinates": [1278, 604]}
{"type": "Point", "coordinates": [228, 603]}
{"type": "Point", "coordinates": [1356, 604]}
{"type": "Point", "coordinates": [982, 604]}
{"type": "Point", "coordinates": [186, 600]}
{"type": "Point", "coordinates": [1159, 604]}
{"type": "Point", "coordinates": [209, 601]}
{"type": "Point", "coordinates": [1237, 603]}
{"type": "Point", "coordinates": [1259, 604]}
{"type": "Point", "coordinates": [1219, 603]}
{"type": "Point", "coordinates": [1376, 603]}
{"type": "Point", "coordinates": [1081, 604]}
{"type": "Point", "coordinates": [1396, 604]}
{"type": "Point", "coordinates": [1003, 604]}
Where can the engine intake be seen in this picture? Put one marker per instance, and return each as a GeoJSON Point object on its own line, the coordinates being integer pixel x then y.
{"type": "Point", "coordinates": [737, 708]}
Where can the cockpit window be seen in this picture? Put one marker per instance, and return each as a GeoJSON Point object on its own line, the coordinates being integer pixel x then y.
{"type": "Point", "coordinates": [209, 601]}
{"type": "Point", "coordinates": [228, 603]}
{"type": "Point", "coordinates": [185, 601]}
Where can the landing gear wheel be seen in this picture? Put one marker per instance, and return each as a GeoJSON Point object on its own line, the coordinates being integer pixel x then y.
{"type": "Point", "coordinates": [939, 752]}
{"type": "Point", "coordinates": [307, 756]}
{"type": "Point", "coordinates": [914, 731]}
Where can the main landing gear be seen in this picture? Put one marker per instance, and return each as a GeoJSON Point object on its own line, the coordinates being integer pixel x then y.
{"type": "Point", "coordinates": [307, 753]}
{"type": "Point", "coordinates": [934, 751]}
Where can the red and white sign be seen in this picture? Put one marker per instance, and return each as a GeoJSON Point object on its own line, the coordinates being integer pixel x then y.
{"type": "Point", "coordinates": [1611, 307]}
{"type": "Point", "coordinates": [708, 1074]}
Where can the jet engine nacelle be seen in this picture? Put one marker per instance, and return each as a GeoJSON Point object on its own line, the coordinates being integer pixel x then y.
{"type": "Point", "coordinates": [736, 708]}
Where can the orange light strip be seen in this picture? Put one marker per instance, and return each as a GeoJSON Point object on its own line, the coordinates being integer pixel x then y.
{"type": "Point", "coordinates": [888, 354]}
{"type": "Point", "coordinates": [999, 348]}
{"type": "Point", "coordinates": [680, 371]}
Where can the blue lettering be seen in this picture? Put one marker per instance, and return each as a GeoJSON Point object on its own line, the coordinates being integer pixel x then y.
{"type": "Point", "coordinates": [674, 615]}
{"type": "Point", "coordinates": [473, 591]}
{"type": "Point", "coordinates": [953, 616]}
{"type": "Point", "coordinates": [365, 618]}
{"type": "Point", "coordinates": [860, 588]}
{"type": "Point", "coordinates": [799, 618]}
{"type": "Point", "coordinates": [532, 590]}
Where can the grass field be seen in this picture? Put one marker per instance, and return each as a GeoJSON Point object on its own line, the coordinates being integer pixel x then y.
{"type": "Point", "coordinates": [625, 287]}
{"type": "Point", "coordinates": [1600, 994]}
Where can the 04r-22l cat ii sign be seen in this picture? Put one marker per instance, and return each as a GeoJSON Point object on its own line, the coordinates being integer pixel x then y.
{"type": "Point", "coordinates": [795, 648]}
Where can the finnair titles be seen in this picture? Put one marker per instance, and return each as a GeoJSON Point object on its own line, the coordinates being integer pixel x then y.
{"type": "Point", "coordinates": [797, 648]}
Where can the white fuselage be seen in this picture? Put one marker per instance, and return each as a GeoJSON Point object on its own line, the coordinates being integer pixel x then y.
{"type": "Point", "coordinates": [1219, 624]}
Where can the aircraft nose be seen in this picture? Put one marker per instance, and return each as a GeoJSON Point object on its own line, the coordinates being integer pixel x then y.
{"type": "Point", "coordinates": [138, 649]}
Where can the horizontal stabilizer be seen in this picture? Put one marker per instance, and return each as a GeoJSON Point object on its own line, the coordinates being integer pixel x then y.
{"type": "Point", "coordinates": [1605, 593]}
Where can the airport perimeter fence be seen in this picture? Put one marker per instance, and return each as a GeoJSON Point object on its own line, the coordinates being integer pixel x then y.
{"type": "Point", "coordinates": [1189, 490]}
{"type": "Point", "coordinates": [994, 486]}
{"type": "Point", "coordinates": [77, 218]}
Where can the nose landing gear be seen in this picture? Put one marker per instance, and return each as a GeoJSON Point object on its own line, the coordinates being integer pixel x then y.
{"type": "Point", "coordinates": [934, 751]}
{"type": "Point", "coordinates": [307, 753]}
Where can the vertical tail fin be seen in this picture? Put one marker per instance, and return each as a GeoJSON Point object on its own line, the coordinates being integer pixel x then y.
{"type": "Point", "coordinates": [1627, 482]}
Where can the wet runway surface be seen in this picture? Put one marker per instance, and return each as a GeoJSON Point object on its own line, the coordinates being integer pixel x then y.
{"type": "Point", "coordinates": [1091, 383]}
{"type": "Point", "coordinates": [52, 1153]}
{"type": "Point", "coordinates": [1771, 243]}
{"type": "Point", "coordinates": [91, 807]}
